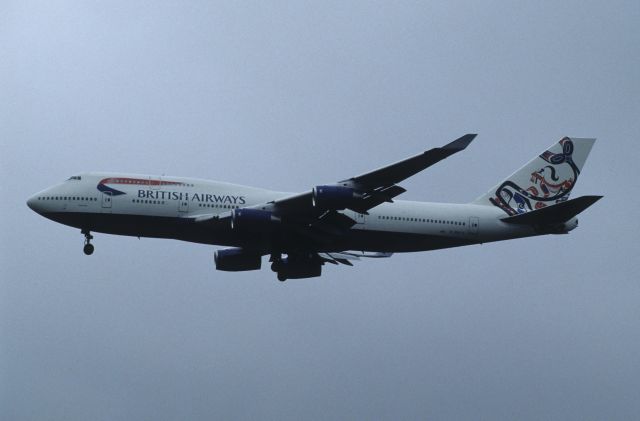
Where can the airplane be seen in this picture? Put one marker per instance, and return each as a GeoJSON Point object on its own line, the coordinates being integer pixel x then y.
{"type": "Point", "coordinates": [337, 223]}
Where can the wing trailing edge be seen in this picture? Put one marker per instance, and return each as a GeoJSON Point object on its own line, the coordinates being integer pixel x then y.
{"type": "Point", "coordinates": [344, 257]}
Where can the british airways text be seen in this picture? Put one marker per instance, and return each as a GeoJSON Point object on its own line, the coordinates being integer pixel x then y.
{"type": "Point", "coordinates": [194, 197]}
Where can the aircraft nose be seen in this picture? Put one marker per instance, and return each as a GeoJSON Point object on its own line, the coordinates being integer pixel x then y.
{"type": "Point", "coordinates": [31, 202]}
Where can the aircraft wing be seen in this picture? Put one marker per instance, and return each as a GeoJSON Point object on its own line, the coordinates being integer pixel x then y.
{"type": "Point", "coordinates": [401, 170]}
{"type": "Point", "coordinates": [365, 191]}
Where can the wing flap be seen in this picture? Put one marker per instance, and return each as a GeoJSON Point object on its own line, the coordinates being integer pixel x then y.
{"type": "Point", "coordinates": [345, 257]}
{"type": "Point", "coordinates": [370, 201]}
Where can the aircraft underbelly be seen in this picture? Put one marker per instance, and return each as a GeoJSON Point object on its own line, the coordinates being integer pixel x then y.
{"type": "Point", "coordinates": [397, 242]}
{"type": "Point", "coordinates": [186, 230]}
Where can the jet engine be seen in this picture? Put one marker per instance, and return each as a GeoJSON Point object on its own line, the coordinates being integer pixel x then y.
{"type": "Point", "coordinates": [288, 268]}
{"type": "Point", "coordinates": [333, 197]}
{"type": "Point", "coordinates": [236, 260]}
{"type": "Point", "coordinates": [253, 220]}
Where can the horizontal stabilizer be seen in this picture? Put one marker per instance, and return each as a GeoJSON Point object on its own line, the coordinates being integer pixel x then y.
{"type": "Point", "coordinates": [555, 214]}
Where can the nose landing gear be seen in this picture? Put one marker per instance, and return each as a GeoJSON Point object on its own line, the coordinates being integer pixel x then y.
{"type": "Point", "coordinates": [88, 247]}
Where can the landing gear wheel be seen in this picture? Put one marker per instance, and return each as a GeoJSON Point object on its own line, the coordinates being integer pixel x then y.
{"type": "Point", "coordinates": [88, 249]}
{"type": "Point", "coordinates": [281, 278]}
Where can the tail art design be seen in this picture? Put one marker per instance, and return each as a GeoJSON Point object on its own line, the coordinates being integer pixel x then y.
{"type": "Point", "coordinates": [544, 181]}
{"type": "Point", "coordinates": [550, 184]}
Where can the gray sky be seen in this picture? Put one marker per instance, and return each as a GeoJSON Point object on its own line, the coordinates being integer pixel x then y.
{"type": "Point", "coordinates": [288, 95]}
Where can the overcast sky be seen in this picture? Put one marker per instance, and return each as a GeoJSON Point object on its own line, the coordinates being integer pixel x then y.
{"type": "Point", "coordinates": [287, 95]}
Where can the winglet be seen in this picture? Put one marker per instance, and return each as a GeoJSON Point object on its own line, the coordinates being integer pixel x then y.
{"type": "Point", "coordinates": [461, 142]}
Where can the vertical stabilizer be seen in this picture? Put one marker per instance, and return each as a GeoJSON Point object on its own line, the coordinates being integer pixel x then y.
{"type": "Point", "coordinates": [546, 180]}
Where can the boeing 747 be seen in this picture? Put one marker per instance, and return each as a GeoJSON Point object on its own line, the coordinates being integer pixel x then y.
{"type": "Point", "coordinates": [339, 223]}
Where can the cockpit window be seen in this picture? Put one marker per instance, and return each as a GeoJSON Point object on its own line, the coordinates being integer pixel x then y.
{"type": "Point", "coordinates": [75, 177]}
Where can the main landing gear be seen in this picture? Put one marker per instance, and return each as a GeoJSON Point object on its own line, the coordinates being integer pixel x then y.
{"type": "Point", "coordinates": [88, 247]}
{"type": "Point", "coordinates": [276, 266]}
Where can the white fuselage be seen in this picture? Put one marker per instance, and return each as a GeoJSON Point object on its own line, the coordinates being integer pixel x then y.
{"type": "Point", "coordinates": [166, 207]}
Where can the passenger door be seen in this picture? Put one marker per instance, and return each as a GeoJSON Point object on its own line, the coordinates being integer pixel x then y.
{"type": "Point", "coordinates": [474, 225]}
{"type": "Point", "coordinates": [107, 200]}
{"type": "Point", "coordinates": [183, 206]}
{"type": "Point", "coordinates": [360, 219]}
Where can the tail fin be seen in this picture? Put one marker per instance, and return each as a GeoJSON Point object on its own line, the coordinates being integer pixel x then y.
{"type": "Point", "coordinates": [546, 180]}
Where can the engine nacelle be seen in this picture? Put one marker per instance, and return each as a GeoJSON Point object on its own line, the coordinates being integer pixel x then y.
{"type": "Point", "coordinates": [297, 269]}
{"type": "Point", "coordinates": [333, 197]}
{"type": "Point", "coordinates": [253, 220]}
{"type": "Point", "coordinates": [236, 260]}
